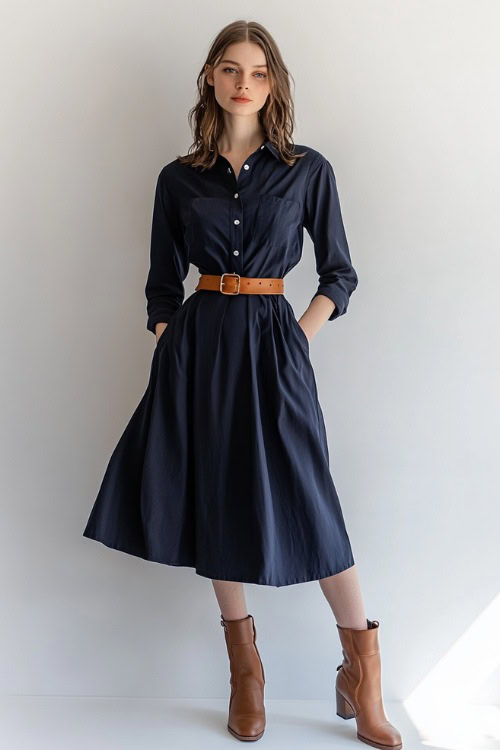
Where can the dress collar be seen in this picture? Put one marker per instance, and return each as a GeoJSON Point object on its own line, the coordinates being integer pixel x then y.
{"type": "Point", "coordinates": [267, 143]}
{"type": "Point", "coordinates": [270, 147]}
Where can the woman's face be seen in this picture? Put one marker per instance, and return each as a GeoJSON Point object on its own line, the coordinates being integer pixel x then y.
{"type": "Point", "coordinates": [242, 72]}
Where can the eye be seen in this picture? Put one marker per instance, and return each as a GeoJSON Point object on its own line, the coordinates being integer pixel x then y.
{"type": "Point", "coordinates": [225, 70]}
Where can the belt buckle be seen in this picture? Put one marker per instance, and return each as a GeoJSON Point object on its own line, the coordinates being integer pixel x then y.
{"type": "Point", "coordinates": [222, 282]}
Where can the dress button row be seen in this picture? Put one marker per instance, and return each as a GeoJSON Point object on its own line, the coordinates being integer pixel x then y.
{"type": "Point", "coordinates": [236, 221]}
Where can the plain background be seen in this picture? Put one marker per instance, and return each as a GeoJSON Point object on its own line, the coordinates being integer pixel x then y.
{"type": "Point", "coordinates": [402, 98]}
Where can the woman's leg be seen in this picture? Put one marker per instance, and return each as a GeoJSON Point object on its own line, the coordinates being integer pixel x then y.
{"type": "Point", "coordinates": [358, 682]}
{"type": "Point", "coordinates": [343, 594]}
{"type": "Point", "coordinates": [247, 712]}
{"type": "Point", "coordinates": [231, 598]}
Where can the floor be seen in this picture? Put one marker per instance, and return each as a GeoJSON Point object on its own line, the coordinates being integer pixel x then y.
{"type": "Point", "coordinates": [59, 723]}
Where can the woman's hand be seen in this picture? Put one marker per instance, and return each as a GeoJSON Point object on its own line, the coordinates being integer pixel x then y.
{"type": "Point", "coordinates": [160, 327]}
{"type": "Point", "coordinates": [316, 315]}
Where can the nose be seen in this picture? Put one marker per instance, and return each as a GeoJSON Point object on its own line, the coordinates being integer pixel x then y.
{"type": "Point", "coordinates": [242, 82]}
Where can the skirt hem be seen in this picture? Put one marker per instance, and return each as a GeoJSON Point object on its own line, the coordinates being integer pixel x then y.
{"type": "Point", "coordinates": [261, 581]}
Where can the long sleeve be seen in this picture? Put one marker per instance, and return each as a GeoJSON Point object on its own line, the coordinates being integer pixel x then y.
{"type": "Point", "coordinates": [169, 261]}
{"type": "Point", "coordinates": [323, 221]}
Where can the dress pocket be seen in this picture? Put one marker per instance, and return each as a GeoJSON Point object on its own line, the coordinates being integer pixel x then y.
{"type": "Point", "coordinates": [169, 324]}
{"type": "Point", "coordinates": [162, 336]}
{"type": "Point", "coordinates": [302, 335]}
{"type": "Point", "coordinates": [277, 216]}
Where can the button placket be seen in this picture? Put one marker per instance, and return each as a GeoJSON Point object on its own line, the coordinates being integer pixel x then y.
{"type": "Point", "coordinates": [237, 217]}
{"type": "Point", "coordinates": [236, 243]}
{"type": "Point", "coordinates": [236, 252]}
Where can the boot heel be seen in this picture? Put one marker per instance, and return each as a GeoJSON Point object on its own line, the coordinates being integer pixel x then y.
{"type": "Point", "coordinates": [344, 709]}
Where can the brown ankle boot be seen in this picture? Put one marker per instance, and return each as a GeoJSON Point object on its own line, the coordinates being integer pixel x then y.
{"type": "Point", "coordinates": [358, 687]}
{"type": "Point", "coordinates": [247, 714]}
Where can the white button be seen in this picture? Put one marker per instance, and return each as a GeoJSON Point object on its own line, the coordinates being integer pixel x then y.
{"type": "Point", "coordinates": [236, 252]}
{"type": "Point", "coordinates": [229, 169]}
{"type": "Point", "coordinates": [262, 146]}
{"type": "Point", "coordinates": [236, 221]}
{"type": "Point", "coordinates": [236, 195]}
{"type": "Point", "coordinates": [245, 166]}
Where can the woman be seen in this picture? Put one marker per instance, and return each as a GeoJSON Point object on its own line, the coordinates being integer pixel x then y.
{"type": "Point", "coordinates": [224, 465]}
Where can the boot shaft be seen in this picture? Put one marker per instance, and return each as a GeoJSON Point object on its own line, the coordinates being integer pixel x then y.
{"type": "Point", "coordinates": [244, 656]}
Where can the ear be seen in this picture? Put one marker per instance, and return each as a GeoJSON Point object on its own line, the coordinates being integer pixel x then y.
{"type": "Point", "coordinates": [208, 77]}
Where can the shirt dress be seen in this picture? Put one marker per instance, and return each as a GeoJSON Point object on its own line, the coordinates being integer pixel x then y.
{"type": "Point", "coordinates": [224, 464]}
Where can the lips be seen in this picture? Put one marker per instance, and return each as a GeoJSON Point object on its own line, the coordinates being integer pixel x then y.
{"type": "Point", "coordinates": [240, 99]}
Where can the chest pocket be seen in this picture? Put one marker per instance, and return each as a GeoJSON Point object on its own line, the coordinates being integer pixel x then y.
{"type": "Point", "coordinates": [277, 216]}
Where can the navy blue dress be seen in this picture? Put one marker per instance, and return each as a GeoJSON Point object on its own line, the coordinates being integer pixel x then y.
{"type": "Point", "coordinates": [224, 465]}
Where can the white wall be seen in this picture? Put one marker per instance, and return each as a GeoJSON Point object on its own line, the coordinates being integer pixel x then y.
{"type": "Point", "coordinates": [402, 97]}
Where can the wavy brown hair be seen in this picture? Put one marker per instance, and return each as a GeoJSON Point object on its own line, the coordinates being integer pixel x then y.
{"type": "Point", "coordinates": [276, 116]}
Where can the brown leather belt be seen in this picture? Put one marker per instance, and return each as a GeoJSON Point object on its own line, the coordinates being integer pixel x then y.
{"type": "Point", "coordinates": [233, 283]}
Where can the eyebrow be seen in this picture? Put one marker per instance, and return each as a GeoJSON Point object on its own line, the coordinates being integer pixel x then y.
{"type": "Point", "coordinates": [235, 63]}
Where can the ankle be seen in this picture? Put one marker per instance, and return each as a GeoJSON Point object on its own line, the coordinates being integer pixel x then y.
{"type": "Point", "coordinates": [354, 625]}
{"type": "Point", "coordinates": [234, 619]}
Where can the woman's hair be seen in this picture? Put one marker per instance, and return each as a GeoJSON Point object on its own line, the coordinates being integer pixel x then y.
{"type": "Point", "coordinates": [276, 116]}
